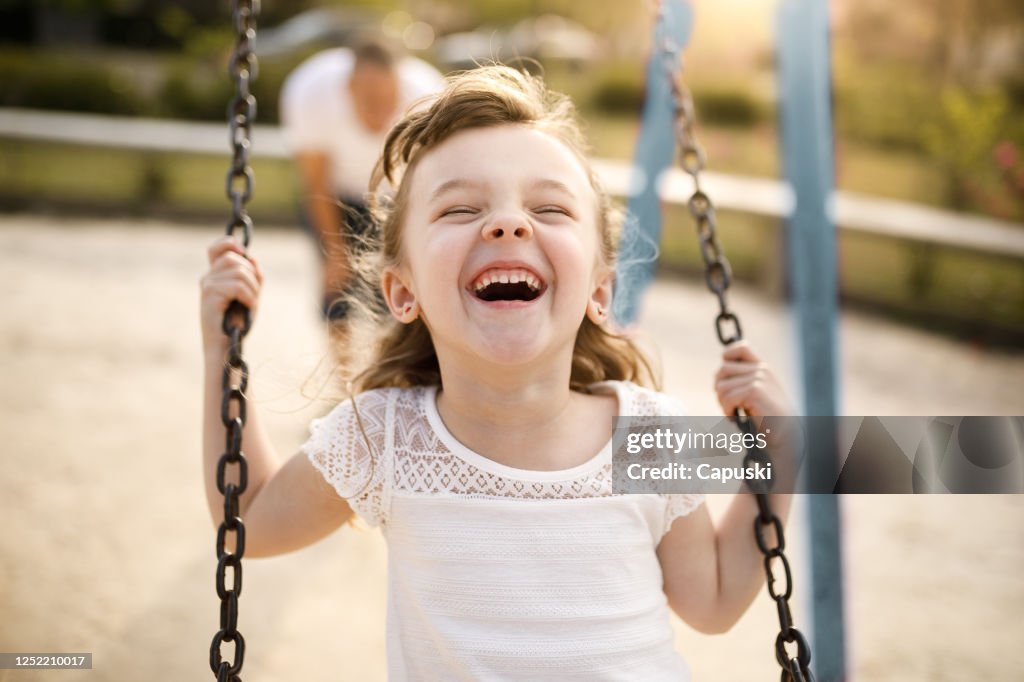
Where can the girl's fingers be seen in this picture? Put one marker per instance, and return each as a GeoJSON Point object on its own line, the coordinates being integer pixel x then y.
{"type": "Point", "coordinates": [224, 245]}
{"type": "Point", "coordinates": [242, 269]}
{"type": "Point", "coordinates": [733, 383]}
{"type": "Point", "coordinates": [231, 259]}
{"type": "Point", "coordinates": [258, 267]}
{"type": "Point", "coordinates": [738, 397]}
{"type": "Point", "coordinates": [233, 265]}
{"type": "Point", "coordinates": [731, 369]}
{"type": "Point", "coordinates": [740, 351]}
{"type": "Point", "coordinates": [231, 289]}
{"type": "Point", "coordinates": [225, 284]}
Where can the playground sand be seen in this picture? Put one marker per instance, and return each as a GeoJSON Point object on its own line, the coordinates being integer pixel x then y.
{"type": "Point", "coordinates": [108, 548]}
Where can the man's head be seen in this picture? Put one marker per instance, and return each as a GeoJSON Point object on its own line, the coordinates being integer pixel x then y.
{"type": "Point", "coordinates": [374, 85]}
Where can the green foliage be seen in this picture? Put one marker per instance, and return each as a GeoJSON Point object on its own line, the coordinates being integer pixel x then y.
{"type": "Point", "coordinates": [190, 93]}
{"type": "Point", "coordinates": [175, 22]}
{"type": "Point", "coordinates": [190, 88]}
{"type": "Point", "coordinates": [193, 90]}
{"type": "Point", "coordinates": [883, 105]}
{"type": "Point", "coordinates": [727, 106]}
{"type": "Point", "coordinates": [619, 89]}
{"type": "Point", "coordinates": [500, 12]}
{"type": "Point", "coordinates": [966, 129]}
{"type": "Point", "coordinates": [962, 137]}
{"type": "Point", "coordinates": [208, 42]}
{"type": "Point", "coordinates": [48, 81]}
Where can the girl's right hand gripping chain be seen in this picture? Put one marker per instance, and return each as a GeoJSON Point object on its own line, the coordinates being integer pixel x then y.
{"type": "Point", "coordinates": [232, 276]}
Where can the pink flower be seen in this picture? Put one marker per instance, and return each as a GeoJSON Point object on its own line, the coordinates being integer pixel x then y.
{"type": "Point", "coordinates": [1006, 155]}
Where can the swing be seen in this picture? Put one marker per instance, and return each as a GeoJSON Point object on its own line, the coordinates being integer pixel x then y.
{"type": "Point", "coordinates": [718, 276]}
{"type": "Point", "coordinates": [237, 322]}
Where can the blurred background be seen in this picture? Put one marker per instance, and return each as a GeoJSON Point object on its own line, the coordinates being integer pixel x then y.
{"type": "Point", "coordinates": [113, 153]}
{"type": "Point", "coordinates": [929, 109]}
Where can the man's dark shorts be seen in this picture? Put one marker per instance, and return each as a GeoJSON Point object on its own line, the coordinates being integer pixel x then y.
{"type": "Point", "coordinates": [356, 224]}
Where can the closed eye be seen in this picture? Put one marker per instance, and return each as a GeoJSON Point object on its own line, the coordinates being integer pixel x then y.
{"type": "Point", "coordinates": [459, 210]}
{"type": "Point", "coordinates": [552, 209]}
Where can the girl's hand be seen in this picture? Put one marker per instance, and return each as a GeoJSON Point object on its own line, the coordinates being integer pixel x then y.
{"type": "Point", "coordinates": [232, 276]}
{"type": "Point", "coordinates": [745, 381]}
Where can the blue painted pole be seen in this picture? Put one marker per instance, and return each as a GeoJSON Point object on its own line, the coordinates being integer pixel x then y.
{"type": "Point", "coordinates": [655, 151]}
{"type": "Point", "coordinates": [807, 150]}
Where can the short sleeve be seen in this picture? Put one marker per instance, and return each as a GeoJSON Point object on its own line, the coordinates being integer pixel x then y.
{"type": "Point", "coordinates": [676, 504]}
{"type": "Point", "coordinates": [302, 121]}
{"type": "Point", "coordinates": [354, 460]}
{"type": "Point", "coordinates": [309, 100]}
{"type": "Point", "coordinates": [419, 79]}
{"type": "Point", "coordinates": [679, 504]}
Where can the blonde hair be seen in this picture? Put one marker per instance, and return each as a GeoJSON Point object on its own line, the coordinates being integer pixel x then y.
{"type": "Point", "coordinates": [403, 355]}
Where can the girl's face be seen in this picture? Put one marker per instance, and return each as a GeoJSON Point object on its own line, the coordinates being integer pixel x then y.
{"type": "Point", "coordinates": [500, 254]}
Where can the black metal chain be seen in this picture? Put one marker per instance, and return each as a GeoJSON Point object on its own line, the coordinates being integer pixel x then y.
{"type": "Point", "coordinates": [718, 275]}
{"type": "Point", "coordinates": [237, 322]}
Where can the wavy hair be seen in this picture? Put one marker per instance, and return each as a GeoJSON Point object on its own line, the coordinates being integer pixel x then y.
{"type": "Point", "coordinates": [403, 355]}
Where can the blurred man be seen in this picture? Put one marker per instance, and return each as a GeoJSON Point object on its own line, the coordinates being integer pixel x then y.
{"type": "Point", "coordinates": [336, 110]}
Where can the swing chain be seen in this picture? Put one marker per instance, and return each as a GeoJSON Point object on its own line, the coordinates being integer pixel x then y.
{"type": "Point", "coordinates": [718, 277]}
{"type": "Point", "coordinates": [235, 378]}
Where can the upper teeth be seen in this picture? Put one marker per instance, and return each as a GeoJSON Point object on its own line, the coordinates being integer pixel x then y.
{"type": "Point", "coordinates": [506, 277]}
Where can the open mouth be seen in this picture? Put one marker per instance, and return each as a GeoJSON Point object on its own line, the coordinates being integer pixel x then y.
{"type": "Point", "coordinates": [507, 285]}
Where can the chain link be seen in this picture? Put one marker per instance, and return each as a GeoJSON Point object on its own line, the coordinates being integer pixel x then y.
{"type": "Point", "coordinates": [718, 276]}
{"type": "Point", "coordinates": [237, 322]}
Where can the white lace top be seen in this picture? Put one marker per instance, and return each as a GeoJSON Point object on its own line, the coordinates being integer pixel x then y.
{"type": "Point", "coordinates": [498, 573]}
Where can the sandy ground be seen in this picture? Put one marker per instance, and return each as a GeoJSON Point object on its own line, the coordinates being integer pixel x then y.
{"type": "Point", "coordinates": [107, 545]}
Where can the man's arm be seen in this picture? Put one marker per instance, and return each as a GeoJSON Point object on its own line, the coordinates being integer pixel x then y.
{"type": "Point", "coordinates": [325, 216]}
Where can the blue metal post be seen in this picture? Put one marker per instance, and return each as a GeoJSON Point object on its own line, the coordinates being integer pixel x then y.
{"type": "Point", "coordinates": [806, 118]}
{"type": "Point", "coordinates": [655, 150]}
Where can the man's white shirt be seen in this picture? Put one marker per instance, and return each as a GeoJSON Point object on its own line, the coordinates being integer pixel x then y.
{"type": "Point", "coordinates": [317, 114]}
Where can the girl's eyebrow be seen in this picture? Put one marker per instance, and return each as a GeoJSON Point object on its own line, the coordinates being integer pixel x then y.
{"type": "Point", "coordinates": [456, 183]}
{"type": "Point", "coordinates": [555, 185]}
{"type": "Point", "coordinates": [466, 183]}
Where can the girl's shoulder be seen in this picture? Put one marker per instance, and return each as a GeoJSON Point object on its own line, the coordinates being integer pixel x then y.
{"type": "Point", "coordinates": [640, 401]}
{"type": "Point", "coordinates": [376, 402]}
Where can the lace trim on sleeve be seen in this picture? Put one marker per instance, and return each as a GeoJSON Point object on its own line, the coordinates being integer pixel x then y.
{"type": "Point", "coordinates": [679, 504]}
{"type": "Point", "coordinates": [650, 404]}
{"type": "Point", "coordinates": [357, 467]}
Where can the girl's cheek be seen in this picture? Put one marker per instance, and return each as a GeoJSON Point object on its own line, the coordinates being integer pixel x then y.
{"type": "Point", "coordinates": [441, 260]}
{"type": "Point", "coordinates": [572, 254]}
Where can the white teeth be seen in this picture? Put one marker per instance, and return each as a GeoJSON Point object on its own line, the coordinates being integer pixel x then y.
{"type": "Point", "coordinates": [507, 277]}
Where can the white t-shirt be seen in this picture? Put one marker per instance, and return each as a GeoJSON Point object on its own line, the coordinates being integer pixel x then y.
{"type": "Point", "coordinates": [499, 573]}
{"type": "Point", "coordinates": [317, 114]}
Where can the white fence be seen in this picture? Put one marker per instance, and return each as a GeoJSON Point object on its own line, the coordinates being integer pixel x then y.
{"type": "Point", "coordinates": [856, 212]}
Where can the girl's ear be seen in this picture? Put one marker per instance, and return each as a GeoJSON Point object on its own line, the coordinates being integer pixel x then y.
{"type": "Point", "coordinates": [600, 303]}
{"type": "Point", "coordinates": [399, 295]}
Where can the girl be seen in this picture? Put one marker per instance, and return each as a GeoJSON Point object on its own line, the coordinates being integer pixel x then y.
{"type": "Point", "coordinates": [479, 434]}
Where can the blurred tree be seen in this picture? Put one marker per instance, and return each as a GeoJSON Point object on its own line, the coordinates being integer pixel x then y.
{"type": "Point", "coordinates": [138, 23]}
{"type": "Point", "coordinates": [963, 136]}
{"type": "Point", "coordinates": [959, 41]}
{"type": "Point", "coordinates": [946, 76]}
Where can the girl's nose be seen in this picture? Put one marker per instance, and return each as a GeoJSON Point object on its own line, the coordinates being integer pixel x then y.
{"type": "Point", "coordinates": [509, 225]}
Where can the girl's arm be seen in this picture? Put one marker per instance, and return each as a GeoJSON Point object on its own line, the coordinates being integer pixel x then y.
{"type": "Point", "coordinates": [711, 575]}
{"type": "Point", "coordinates": [285, 506]}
